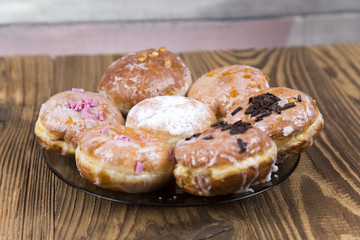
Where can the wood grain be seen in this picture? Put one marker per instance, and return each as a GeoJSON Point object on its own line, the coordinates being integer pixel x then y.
{"type": "Point", "coordinates": [320, 200]}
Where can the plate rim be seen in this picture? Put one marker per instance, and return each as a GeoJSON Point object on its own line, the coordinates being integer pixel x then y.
{"type": "Point", "coordinates": [234, 199]}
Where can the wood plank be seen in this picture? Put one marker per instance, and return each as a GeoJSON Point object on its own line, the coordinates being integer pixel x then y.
{"type": "Point", "coordinates": [26, 185]}
{"type": "Point", "coordinates": [320, 200]}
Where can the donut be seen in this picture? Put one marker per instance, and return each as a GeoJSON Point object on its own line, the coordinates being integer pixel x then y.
{"type": "Point", "coordinates": [221, 87]}
{"type": "Point", "coordinates": [66, 116]}
{"type": "Point", "coordinates": [290, 117]}
{"type": "Point", "coordinates": [170, 118]}
{"type": "Point", "coordinates": [144, 74]}
{"type": "Point", "coordinates": [123, 159]}
{"type": "Point", "coordinates": [224, 159]}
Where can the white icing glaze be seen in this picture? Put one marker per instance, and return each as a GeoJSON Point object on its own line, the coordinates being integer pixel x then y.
{"type": "Point", "coordinates": [287, 131]}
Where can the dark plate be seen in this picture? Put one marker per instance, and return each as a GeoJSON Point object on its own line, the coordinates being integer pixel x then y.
{"type": "Point", "coordinates": [169, 196]}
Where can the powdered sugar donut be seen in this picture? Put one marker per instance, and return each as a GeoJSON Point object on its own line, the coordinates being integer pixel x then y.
{"type": "Point", "coordinates": [224, 159]}
{"type": "Point", "coordinates": [124, 159]}
{"type": "Point", "coordinates": [67, 115]}
{"type": "Point", "coordinates": [222, 87]}
{"type": "Point", "coordinates": [290, 117]}
{"type": "Point", "coordinates": [144, 74]}
{"type": "Point", "coordinates": [170, 117]}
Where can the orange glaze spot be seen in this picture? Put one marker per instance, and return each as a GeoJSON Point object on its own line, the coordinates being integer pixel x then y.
{"type": "Point", "coordinates": [290, 100]}
{"type": "Point", "coordinates": [259, 86]}
{"type": "Point", "coordinates": [252, 84]}
{"type": "Point", "coordinates": [154, 54]}
{"type": "Point", "coordinates": [163, 49]}
{"type": "Point", "coordinates": [248, 70]}
{"type": "Point", "coordinates": [233, 93]}
{"type": "Point", "coordinates": [211, 73]}
{"type": "Point", "coordinates": [246, 75]}
{"type": "Point", "coordinates": [69, 121]}
{"type": "Point", "coordinates": [168, 63]}
{"type": "Point", "coordinates": [229, 72]}
{"type": "Point", "coordinates": [121, 61]}
{"type": "Point", "coordinates": [142, 58]}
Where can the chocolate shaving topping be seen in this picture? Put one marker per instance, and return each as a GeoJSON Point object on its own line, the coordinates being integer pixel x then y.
{"type": "Point", "coordinates": [288, 105]}
{"type": "Point", "coordinates": [241, 144]}
{"type": "Point", "coordinates": [218, 123]}
{"type": "Point", "coordinates": [299, 98]}
{"type": "Point", "coordinates": [193, 136]}
{"type": "Point", "coordinates": [235, 128]}
{"type": "Point", "coordinates": [236, 111]}
{"type": "Point", "coordinates": [207, 138]}
{"type": "Point", "coordinates": [264, 105]}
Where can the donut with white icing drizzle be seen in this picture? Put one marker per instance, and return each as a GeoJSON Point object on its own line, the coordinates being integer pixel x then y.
{"type": "Point", "coordinates": [144, 74]}
{"type": "Point", "coordinates": [171, 117]}
{"type": "Point", "coordinates": [224, 159]}
{"type": "Point", "coordinates": [290, 117]}
{"type": "Point", "coordinates": [66, 116]}
{"type": "Point", "coordinates": [222, 87]}
{"type": "Point", "coordinates": [124, 159]}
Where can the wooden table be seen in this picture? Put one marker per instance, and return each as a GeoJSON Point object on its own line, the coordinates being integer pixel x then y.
{"type": "Point", "coordinates": [320, 200]}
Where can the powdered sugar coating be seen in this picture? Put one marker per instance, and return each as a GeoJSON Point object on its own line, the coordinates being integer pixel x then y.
{"type": "Point", "coordinates": [170, 116]}
{"type": "Point", "coordinates": [59, 116]}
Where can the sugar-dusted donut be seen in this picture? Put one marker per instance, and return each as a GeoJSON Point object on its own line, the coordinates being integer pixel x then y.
{"type": "Point", "coordinates": [144, 74]}
{"type": "Point", "coordinates": [123, 159]}
{"type": "Point", "coordinates": [290, 117]}
{"type": "Point", "coordinates": [224, 159]}
{"type": "Point", "coordinates": [67, 115]}
{"type": "Point", "coordinates": [222, 87]}
{"type": "Point", "coordinates": [171, 117]}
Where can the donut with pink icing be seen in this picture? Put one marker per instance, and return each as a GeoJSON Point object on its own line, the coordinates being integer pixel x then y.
{"type": "Point", "coordinates": [224, 159]}
{"type": "Point", "coordinates": [290, 117]}
{"type": "Point", "coordinates": [170, 118]}
{"type": "Point", "coordinates": [67, 115]}
{"type": "Point", "coordinates": [124, 159]}
{"type": "Point", "coordinates": [221, 88]}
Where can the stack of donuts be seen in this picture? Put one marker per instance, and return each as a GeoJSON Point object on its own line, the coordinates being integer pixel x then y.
{"type": "Point", "coordinates": [216, 136]}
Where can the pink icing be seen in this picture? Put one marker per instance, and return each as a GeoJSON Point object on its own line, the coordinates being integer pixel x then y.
{"type": "Point", "coordinates": [104, 130]}
{"type": "Point", "coordinates": [139, 168]}
{"type": "Point", "coordinates": [122, 138]}
{"type": "Point", "coordinates": [100, 116]}
{"type": "Point", "coordinates": [84, 108]}
{"type": "Point", "coordinates": [78, 90]}
{"type": "Point", "coordinates": [171, 155]}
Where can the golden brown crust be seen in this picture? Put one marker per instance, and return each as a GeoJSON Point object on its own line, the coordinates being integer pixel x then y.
{"type": "Point", "coordinates": [144, 74]}
{"type": "Point", "coordinates": [218, 166]}
{"type": "Point", "coordinates": [108, 158]}
{"type": "Point", "coordinates": [294, 128]}
{"type": "Point", "coordinates": [221, 87]}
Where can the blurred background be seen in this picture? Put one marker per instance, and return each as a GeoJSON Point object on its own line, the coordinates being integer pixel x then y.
{"type": "Point", "coordinates": [68, 27]}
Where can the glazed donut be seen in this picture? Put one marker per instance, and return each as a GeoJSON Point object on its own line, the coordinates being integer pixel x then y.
{"type": "Point", "coordinates": [123, 159]}
{"type": "Point", "coordinates": [170, 118]}
{"type": "Point", "coordinates": [221, 87]}
{"type": "Point", "coordinates": [67, 115]}
{"type": "Point", "coordinates": [290, 117]}
{"type": "Point", "coordinates": [144, 74]}
{"type": "Point", "coordinates": [224, 159]}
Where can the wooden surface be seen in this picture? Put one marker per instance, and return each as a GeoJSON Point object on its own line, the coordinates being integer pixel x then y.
{"type": "Point", "coordinates": [320, 200]}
